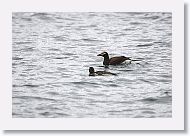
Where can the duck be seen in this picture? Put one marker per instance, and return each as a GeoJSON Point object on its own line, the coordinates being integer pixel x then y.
{"type": "Point", "coordinates": [114, 60]}
{"type": "Point", "coordinates": [92, 72]}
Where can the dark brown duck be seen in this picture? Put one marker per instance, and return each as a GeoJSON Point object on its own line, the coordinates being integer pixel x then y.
{"type": "Point", "coordinates": [114, 60]}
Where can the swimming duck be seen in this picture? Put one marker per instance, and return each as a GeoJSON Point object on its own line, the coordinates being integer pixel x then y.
{"type": "Point", "coordinates": [114, 60]}
{"type": "Point", "coordinates": [92, 72]}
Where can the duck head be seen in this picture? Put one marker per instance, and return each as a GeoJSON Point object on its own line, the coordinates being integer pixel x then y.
{"type": "Point", "coordinates": [106, 58]}
{"type": "Point", "coordinates": [91, 70]}
{"type": "Point", "coordinates": [103, 54]}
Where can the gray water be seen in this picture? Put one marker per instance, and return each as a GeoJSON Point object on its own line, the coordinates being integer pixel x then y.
{"type": "Point", "coordinates": [52, 52]}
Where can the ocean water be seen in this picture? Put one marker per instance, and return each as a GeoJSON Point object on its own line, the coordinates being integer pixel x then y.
{"type": "Point", "coordinates": [52, 52]}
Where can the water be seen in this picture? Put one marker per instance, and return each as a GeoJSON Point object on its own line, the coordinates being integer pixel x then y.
{"type": "Point", "coordinates": [53, 51]}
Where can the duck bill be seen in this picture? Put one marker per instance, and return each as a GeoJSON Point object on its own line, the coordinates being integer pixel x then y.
{"type": "Point", "coordinates": [100, 54]}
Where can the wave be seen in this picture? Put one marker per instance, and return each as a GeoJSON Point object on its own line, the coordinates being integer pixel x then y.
{"type": "Point", "coordinates": [145, 45]}
{"type": "Point", "coordinates": [162, 99]}
{"type": "Point", "coordinates": [33, 98]}
{"type": "Point", "coordinates": [18, 43]}
{"type": "Point", "coordinates": [43, 16]}
{"type": "Point", "coordinates": [91, 40]}
{"type": "Point", "coordinates": [17, 58]}
{"type": "Point", "coordinates": [30, 85]}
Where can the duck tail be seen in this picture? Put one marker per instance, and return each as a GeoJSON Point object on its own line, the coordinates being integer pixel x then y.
{"type": "Point", "coordinates": [127, 58]}
{"type": "Point", "coordinates": [136, 59]}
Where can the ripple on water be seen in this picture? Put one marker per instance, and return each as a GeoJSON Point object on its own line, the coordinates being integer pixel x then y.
{"type": "Point", "coordinates": [148, 112]}
{"type": "Point", "coordinates": [60, 58]}
{"type": "Point", "coordinates": [53, 93]}
{"type": "Point", "coordinates": [136, 23]}
{"type": "Point", "coordinates": [125, 70]}
{"type": "Point", "coordinates": [151, 17]}
{"type": "Point", "coordinates": [28, 49]}
{"type": "Point", "coordinates": [54, 49]}
{"type": "Point", "coordinates": [145, 45]}
{"type": "Point", "coordinates": [113, 85]}
{"type": "Point", "coordinates": [43, 16]}
{"type": "Point", "coordinates": [22, 42]}
{"type": "Point", "coordinates": [30, 85]}
{"type": "Point", "coordinates": [92, 40]}
{"type": "Point", "coordinates": [161, 100]}
{"type": "Point", "coordinates": [17, 58]}
{"type": "Point", "coordinates": [60, 38]}
{"type": "Point", "coordinates": [85, 83]}
{"type": "Point", "coordinates": [62, 115]}
{"type": "Point", "coordinates": [147, 81]}
{"type": "Point", "coordinates": [26, 19]}
{"type": "Point", "coordinates": [34, 98]}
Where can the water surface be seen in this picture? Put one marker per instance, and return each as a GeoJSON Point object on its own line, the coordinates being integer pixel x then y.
{"type": "Point", "coordinates": [53, 51]}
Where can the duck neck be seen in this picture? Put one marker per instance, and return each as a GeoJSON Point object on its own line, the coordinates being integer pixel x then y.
{"type": "Point", "coordinates": [106, 60]}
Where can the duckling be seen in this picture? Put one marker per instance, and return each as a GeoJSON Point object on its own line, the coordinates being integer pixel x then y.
{"type": "Point", "coordinates": [92, 72]}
